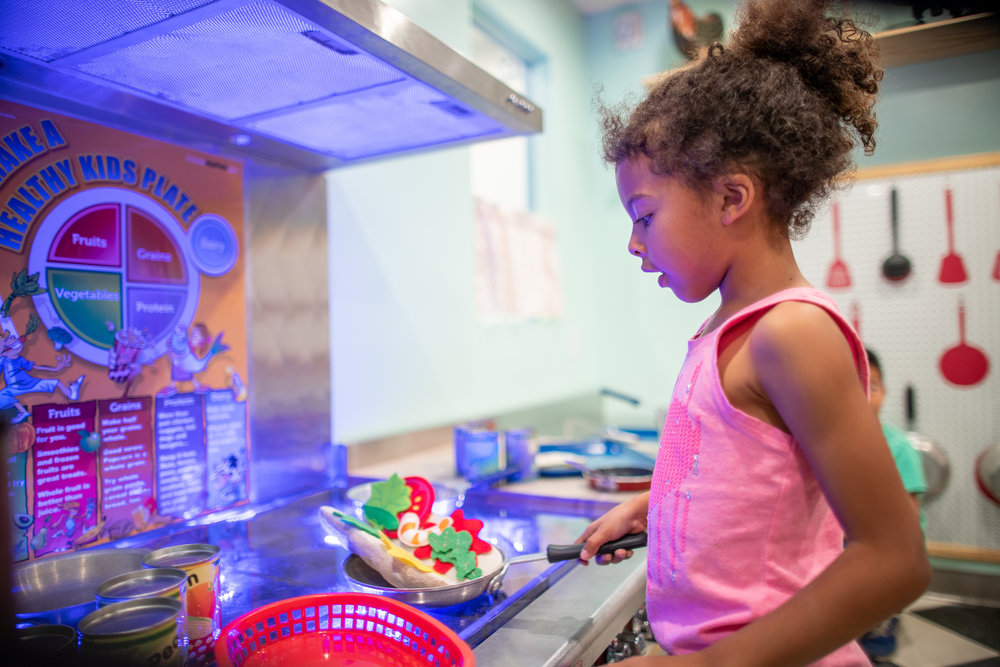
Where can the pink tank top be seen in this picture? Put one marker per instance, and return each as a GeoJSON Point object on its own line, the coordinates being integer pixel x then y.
{"type": "Point", "coordinates": [737, 520]}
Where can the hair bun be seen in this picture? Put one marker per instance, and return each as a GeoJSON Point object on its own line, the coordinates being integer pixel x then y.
{"type": "Point", "coordinates": [833, 56]}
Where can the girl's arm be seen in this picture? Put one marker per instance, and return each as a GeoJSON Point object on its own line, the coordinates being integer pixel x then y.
{"type": "Point", "coordinates": [802, 364]}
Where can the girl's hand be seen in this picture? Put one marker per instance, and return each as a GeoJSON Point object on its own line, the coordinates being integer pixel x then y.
{"type": "Point", "coordinates": [628, 517]}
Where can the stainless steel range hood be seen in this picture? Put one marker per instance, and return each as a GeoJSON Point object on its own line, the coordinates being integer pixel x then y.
{"type": "Point", "coordinates": [314, 84]}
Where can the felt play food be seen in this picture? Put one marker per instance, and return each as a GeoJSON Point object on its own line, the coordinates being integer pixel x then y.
{"type": "Point", "coordinates": [410, 546]}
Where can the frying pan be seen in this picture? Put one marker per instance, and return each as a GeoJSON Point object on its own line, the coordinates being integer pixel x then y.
{"type": "Point", "coordinates": [988, 473]}
{"type": "Point", "coordinates": [364, 579]}
{"type": "Point", "coordinates": [937, 468]}
{"type": "Point", "coordinates": [615, 478]}
{"type": "Point", "coordinates": [63, 589]}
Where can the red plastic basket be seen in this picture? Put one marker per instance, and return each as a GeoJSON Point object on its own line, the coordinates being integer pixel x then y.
{"type": "Point", "coordinates": [340, 629]}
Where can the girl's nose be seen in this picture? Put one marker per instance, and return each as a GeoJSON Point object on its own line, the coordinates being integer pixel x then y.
{"type": "Point", "coordinates": [634, 247]}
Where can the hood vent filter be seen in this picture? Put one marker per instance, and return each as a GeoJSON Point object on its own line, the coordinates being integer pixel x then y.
{"type": "Point", "coordinates": [273, 70]}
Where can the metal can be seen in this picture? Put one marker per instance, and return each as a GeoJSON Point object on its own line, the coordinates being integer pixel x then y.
{"type": "Point", "coordinates": [135, 632]}
{"type": "Point", "coordinates": [518, 442]}
{"type": "Point", "coordinates": [203, 615]}
{"type": "Point", "coordinates": [477, 452]}
{"type": "Point", "coordinates": [164, 582]}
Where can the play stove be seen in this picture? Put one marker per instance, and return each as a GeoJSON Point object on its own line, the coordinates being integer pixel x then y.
{"type": "Point", "coordinates": [282, 551]}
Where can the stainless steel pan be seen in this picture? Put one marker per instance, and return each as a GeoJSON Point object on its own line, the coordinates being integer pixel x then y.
{"type": "Point", "coordinates": [365, 579]}
{"type": "Point", "coordinates": [937, 467]}
{"type": "Point", "coordinates": [988, 473]}
{"type": "Point", "coordinates": [62, 589]}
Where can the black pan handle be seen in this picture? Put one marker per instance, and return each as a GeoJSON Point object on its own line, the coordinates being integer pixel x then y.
{"type": "Point", "coordinates": [911, 408]}
{"type": "Point", "coordinates": [558, 552]}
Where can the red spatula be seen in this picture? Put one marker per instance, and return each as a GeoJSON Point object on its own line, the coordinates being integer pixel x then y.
{"type": "Point", "coordinates": [964, 364]}
{"type": "Point", "coordinates": [838, 277]}
{"type": "Point", "coordinates": [996, 267]}
{"type": "Point", "coordinates": [952, 266]}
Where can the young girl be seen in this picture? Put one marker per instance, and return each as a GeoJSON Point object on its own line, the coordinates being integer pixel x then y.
{"type": "Point", "coordinates": [779, 530]}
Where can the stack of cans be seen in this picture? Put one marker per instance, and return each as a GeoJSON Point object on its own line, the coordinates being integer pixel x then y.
{"type": "Point", "coordinates": [166, 614]}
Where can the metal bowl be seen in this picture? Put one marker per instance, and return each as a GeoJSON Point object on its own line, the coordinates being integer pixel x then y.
{"type": "Point", "coordinates": [63, 589]}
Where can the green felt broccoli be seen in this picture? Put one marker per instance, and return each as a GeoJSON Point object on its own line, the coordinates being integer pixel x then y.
{"type": "Point", "coordinates": [453, 547]}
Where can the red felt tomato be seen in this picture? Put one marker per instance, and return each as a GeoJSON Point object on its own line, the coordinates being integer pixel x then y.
{"type": "Point", "coordinates": [421, 496]}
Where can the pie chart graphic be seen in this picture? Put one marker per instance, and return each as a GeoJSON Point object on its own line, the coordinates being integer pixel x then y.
{"type": "Point", "coordinates": [111, 260]}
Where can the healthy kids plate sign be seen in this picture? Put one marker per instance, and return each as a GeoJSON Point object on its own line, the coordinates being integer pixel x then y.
{"type": "Point", "coordinates": [123, 331]}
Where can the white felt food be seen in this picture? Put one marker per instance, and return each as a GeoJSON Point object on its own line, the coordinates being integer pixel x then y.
{"type": "Point", "coordinates": [395, 571]}
{"type": "Point", "coordinates": [372, 551]}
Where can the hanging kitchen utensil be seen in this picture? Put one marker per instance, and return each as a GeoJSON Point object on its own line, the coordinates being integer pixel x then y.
{"type": "Point", "coordinates": [839, 277]}
{"type": "Point", "coordinates": [896, 266]}
{"type": "Point", "coordinates": [952, 266]}
{"type": "Point", "coordinates": [996, 267]}
{"type": "Point", "coordinates": [856, 317]}
{"type": "Point", "coordinates": [963, 364]}
{"type": "Point", "coordinates": [937, 468]}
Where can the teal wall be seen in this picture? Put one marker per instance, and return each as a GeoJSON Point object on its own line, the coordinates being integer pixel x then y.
{"type": "Point", "coordinates": [408, 349]}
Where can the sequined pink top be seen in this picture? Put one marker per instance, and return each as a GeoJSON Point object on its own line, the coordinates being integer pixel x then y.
{"type": "Point", "coordinates": [737, 520]}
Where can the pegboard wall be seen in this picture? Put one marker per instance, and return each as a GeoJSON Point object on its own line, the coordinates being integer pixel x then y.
{"type": "Point", "coordinates": [912, 324]}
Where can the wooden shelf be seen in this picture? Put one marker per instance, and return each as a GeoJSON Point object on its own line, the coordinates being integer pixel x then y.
{"type": "Point", "coordinates": [922, 43]}
{"type": "Point", "coordinates": [941, 39]}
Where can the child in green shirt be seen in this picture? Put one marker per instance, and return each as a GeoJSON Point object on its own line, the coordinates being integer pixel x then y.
{"type": "Point", "coordinates": [881, 642]}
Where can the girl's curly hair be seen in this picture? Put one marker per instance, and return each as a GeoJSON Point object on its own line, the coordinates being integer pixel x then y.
{"type": "Point", "coordinates": [785, 101]}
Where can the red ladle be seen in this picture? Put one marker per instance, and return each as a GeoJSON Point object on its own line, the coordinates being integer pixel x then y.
{"type": "Point", "coordinates": [964, 364]}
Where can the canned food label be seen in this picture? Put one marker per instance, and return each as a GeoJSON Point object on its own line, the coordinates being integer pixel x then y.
{"type": "Point", "coordinates": [201, 598]}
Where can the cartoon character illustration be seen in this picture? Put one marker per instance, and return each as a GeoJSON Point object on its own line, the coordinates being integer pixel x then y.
{"type": "Point", "coordinates": [19, 381]}
{"type": "Point", "coordinates": [229, 476]}
{"type": "Point", "coordinates": [189, 353]}
{"type": "Point", "coordinates": [236, 383]}
{"type": "Point", "coordinates": [127, 355]}
{"type": "Point", "coordinates": [19, 538]}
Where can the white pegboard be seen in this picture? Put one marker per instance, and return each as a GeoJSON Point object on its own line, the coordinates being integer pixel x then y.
{"type": "Point", "coordinates": [911, 323]}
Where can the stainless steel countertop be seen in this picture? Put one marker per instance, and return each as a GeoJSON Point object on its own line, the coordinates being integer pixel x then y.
{"type": "Point", "coordinates": [573, 622]}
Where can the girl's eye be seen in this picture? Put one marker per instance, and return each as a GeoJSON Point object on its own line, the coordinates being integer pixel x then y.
{"type": "Point", "coordinates": [644, 220]}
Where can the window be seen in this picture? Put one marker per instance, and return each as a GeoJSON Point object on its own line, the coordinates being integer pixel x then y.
{"type": "Point", "coordinates": [501, 169]}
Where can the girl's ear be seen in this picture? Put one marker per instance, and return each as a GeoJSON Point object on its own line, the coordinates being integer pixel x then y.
{"type": "Point", "coordinates": [738, 193]}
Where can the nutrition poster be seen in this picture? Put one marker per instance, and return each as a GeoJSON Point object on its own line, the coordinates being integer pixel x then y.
{"type": "Point", "coordinates": [123, 331]}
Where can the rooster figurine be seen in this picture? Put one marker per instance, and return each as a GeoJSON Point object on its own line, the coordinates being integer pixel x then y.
{"type": "Point", "coordinates": [691, 33]}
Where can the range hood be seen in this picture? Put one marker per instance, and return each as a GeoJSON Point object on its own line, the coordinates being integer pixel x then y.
{"type": "Point", "coordinates": [314, 84]}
